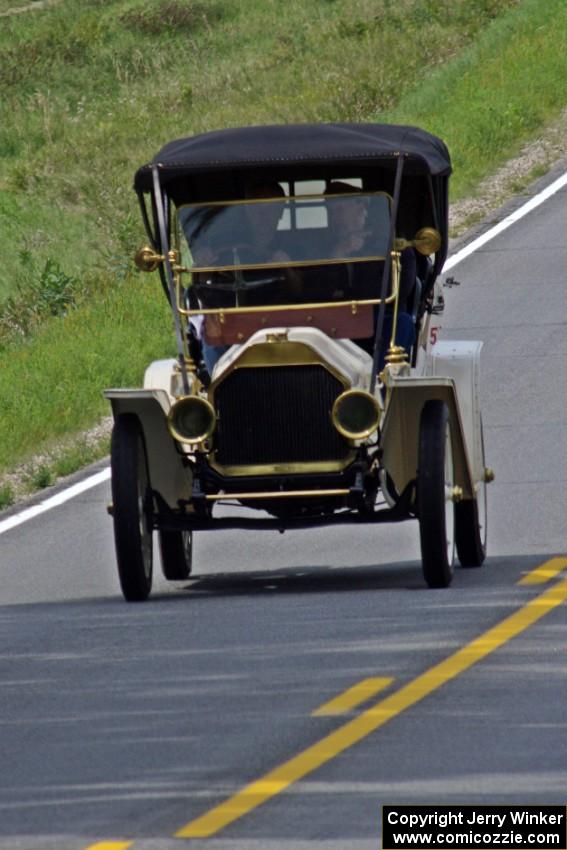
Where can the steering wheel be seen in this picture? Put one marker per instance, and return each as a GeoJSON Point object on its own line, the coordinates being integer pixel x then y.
{"type": "Point", "coordinates": [246, 253]}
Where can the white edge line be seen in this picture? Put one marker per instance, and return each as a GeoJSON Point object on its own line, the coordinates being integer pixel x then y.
{"type": "Point", "coordinates": [506, 223]}
{"type": "Point", "coordinates": [76, 489]}
{"type": "Point", "coordinates": [54, 501]}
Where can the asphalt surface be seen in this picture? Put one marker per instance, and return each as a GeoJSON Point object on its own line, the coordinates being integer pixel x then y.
{"type": "Point", "coordinates": [121, 724]}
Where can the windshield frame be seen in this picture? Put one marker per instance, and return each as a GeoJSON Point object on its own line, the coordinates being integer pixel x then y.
{"type": "Point", "coordinates": [297, 201]}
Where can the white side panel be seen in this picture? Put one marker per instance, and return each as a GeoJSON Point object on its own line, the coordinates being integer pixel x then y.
{"type": "Point", "coordinates": [460, 360]}
{"type": "Point", "coordinates": [159, 375]}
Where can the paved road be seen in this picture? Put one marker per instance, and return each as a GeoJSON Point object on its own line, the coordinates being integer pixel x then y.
{"type": "Point", "coordinates": [121, 724]}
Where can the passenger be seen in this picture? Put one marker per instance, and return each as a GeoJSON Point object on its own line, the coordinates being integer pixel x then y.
{"type": "Point", "coordinates": [347, 220]}
{"type": "Point", "coordinates": [351, 236]}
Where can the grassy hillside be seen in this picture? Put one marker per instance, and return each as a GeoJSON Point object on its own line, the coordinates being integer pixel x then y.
{"type": "Point", "coordinates": [92, 88]}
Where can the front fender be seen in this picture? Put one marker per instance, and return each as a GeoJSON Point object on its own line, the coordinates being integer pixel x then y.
{"type": "Point", "coordinates": [400, 430]}
{"type": "Point", "coordinates": [168, 475]}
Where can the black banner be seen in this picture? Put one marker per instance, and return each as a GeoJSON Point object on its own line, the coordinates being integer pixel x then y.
{"type": "Point", "coordinates": [470, 827]}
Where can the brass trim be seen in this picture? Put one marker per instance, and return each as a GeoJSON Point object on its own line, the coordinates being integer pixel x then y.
{"type": "Point", "coordinates": [304, 467]}
{"type": "Point", "coordinates": [396, 354]}
{"type": "Point", "coordinates": [287, 264]}
{"type": "Point", "coordinates": [277, 353]}
{"type": "Point", "coordinates": [177, 435]}
{"type": "Point", "coordinates": [427, 241]}
{"type": "Point", "coordinates": [274, 308]}
{"type": "Point", "coordinates": [147, 260]}
{"type": "Point", "coordinates": [359, 435]}
{"type": "Point", "coordinates": [276, 494]}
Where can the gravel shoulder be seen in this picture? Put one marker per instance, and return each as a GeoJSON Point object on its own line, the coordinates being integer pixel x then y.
{"type": "Point", "coordinates": [516, 178]}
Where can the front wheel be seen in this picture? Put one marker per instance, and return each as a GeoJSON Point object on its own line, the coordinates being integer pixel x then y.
{"type": "Point", "coordinates": [132, 501]}
{"type": "Point", "coordinates": [435, 482]}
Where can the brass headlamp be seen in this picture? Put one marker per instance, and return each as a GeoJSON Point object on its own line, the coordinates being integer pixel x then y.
{"type": "Point", "coordinates": [356, 414]}
{"type": "Point", "coordinates": [192, 420]}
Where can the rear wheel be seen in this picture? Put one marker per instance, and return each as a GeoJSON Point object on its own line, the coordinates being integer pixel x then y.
{"type": "Point", "coordinates": [132, 507]}
{"type": "Point", "coordinates": [470, 531]}
{"type": "Point", "coordinates": [176, 549]}
{"type": "Point", "coordinates": [435, 482]}
{"type": "Point", "coordinates": [471, 525]}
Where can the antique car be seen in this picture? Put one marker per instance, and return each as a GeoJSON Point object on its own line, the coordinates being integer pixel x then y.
{"type": "Point", "coordinates": [309, 386]}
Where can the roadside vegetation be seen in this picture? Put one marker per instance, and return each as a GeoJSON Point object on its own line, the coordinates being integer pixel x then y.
{"type": "Point", "coordinates": [92, 89]}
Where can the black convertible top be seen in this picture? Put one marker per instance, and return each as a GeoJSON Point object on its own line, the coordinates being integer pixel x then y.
{"type": "Point", "coordinates": [218, 165]}
{"type": "Point", "coordinates": [297, 144]}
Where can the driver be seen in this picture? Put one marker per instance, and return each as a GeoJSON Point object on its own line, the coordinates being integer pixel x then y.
{"type": "Point", "coordinates": [259, 244]}
{"type": "Point", "coordinates": [263, 221]}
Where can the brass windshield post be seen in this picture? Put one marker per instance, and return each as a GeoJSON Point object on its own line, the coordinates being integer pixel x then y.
{"type": "Point", "coordinates": [396, 353]}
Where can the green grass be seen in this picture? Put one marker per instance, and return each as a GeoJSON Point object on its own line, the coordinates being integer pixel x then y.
{"type": "Point", "coordinates": [498, 93]}
{"type": "Point", "coordinates": [41, 476]}
{"type": "Point", "coordinates": [51, 385]}
{"type": "Point", "coordinates": [63, 459]}
{"type": "Point", "coordinates": [106, 82]}
{"type": "Point", "coordinates": [7, 496]}
{"type": "Point", "coordinates": [78, 455]}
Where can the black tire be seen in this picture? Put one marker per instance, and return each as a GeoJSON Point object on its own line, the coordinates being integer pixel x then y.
{"type": "Point", "coordinates": [471, 524]}
{"type": "Point", "coordinates": [131, 496]}
{"type": "Point", "coordinates": [176, 548]}
{"type": "Point", "coordinates": [469, 534]}
{"type": "Point", "coordinates": [434, 504]}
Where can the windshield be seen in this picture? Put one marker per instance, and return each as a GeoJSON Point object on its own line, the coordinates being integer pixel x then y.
{"type": "Point", "coordinates": [286, 231]}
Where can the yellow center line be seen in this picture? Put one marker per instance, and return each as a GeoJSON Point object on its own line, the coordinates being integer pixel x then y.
{"type": "Point", "coordinates": [352, 697]}
{"type": "Point", "coordinates": [111, 845]}
{"type": "Point", "coordinates": [277, 780]}
{"type": "Point", "coordinates": [545, 572]}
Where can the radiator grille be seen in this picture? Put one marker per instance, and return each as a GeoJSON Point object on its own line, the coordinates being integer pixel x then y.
{"type": "Point", "coordinates": [277, 415]}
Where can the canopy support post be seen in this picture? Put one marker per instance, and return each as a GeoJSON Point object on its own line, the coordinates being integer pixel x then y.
{"type": "Point", "coordinates": [386, 276]}
{"type": "Point", "coordinates": [159, 201]}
